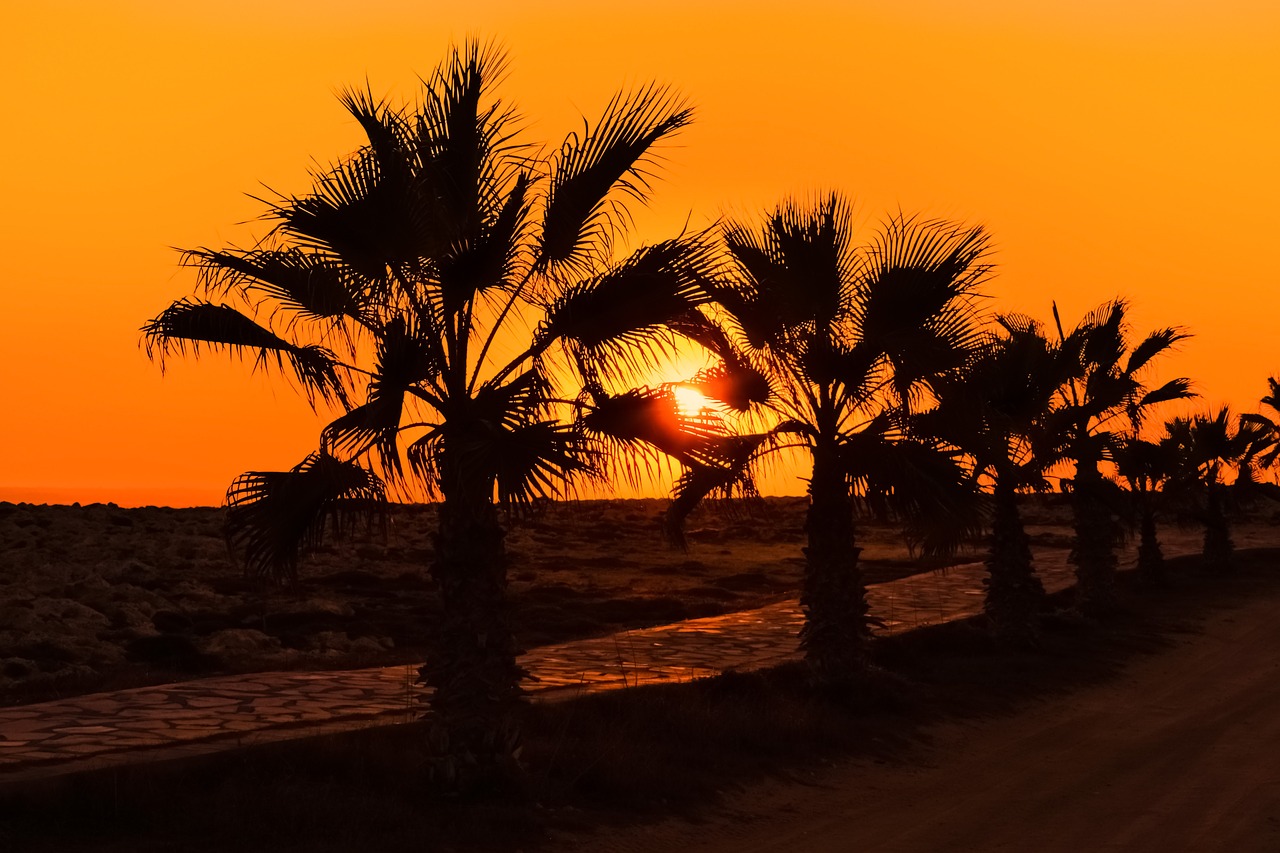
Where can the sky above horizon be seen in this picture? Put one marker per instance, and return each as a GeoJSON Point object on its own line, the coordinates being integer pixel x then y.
{"type": "Point", "coordinates": [1112, 149]}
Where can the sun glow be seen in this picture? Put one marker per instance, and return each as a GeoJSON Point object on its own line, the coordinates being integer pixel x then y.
{"type": "Point", "coordinates": [691, 401]}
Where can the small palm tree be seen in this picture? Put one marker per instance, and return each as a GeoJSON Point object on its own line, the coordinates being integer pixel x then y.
{"type": "Point", "coordinates": [1207, 446]}
{"type": "Point", "coordinates": [1146, 466]}
{"type": "Point", "coordinates": [841, 344]}
{"type": "Point", "coordinates": [455, 293]}
{"type": "Point", "coordinates": [995, 411]}
{"type": "Point", "coordinates": [1105, 394]}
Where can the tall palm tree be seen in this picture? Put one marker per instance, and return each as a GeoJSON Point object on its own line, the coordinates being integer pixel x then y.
{"type": "Point", "coordinates": [455, 293]}
{"type": "Point", "coordinates": [1105, 393]}
{"type": "Point", "coordinates": [1206, 447]}
{"type": "Point", "coordinates": [842, 344]}
{"type": "Point", "coordinates": [995, 410]}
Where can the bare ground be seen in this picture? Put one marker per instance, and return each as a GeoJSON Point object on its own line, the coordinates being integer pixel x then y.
{"type": "Point", "coordinates": [1179, 750]}
{"type": "Point", "coordinates": [100, 597]}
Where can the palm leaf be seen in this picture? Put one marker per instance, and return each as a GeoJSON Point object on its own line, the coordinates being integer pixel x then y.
{"type": "Point", "coordinates": [587, 168]}
{"type": "Point", "coordinates": [642, 302]}
{"type": "Point", "coordinates": [487, 259]}
{"type": "Point", "coordinates": [194, 323]}
{"type": "Point", "coordinates": [914, 299]}
{"type": "Point", "coordinates": [651, 416]}
{"type": "Point", "coordinates": [794, 273]}
{"type": "Point", "coordinates": [1174, 389]}
{"type": "Point", "coordinates": [1156, 343]}
{"type": "Point", "coordinates": [273, 517]}
{"type": "Point", "coordinates": [404, 359]}
{"type": "Point", "coordinates": [728, 473]}
{"type": "Point", "coordinates": [312, 284]}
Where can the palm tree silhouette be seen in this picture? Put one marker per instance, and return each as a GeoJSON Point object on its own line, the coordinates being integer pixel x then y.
{"type": "Point", "coordinates": [1206, 447]}
{"type": "Point", "coordinates": [1147, 467]}
{"type": "Point", "coordinates": [1105, 386]}
{"type": "Point", "coordinates": [454, 291]}
{"type": "Point", "coordinates": [842, 344]}
{"type": "Point", "coordinates": [995, 410]}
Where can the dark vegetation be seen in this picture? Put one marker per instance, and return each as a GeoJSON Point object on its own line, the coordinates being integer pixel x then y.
{"type": "Point", "coordinates": [621, 757]}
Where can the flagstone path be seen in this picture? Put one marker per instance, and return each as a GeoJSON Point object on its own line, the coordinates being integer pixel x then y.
{"type": "Point", "coordinates": [195, 717]}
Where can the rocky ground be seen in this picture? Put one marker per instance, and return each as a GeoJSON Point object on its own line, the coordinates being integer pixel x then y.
{"type": "Point", "coordinates": [97, 597]}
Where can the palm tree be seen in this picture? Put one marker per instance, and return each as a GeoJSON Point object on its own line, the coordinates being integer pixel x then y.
{"type": "Point", "coordinates": [1146, 466]}
{"type": "Point", "coordinates": [1106, 385]}
{"type": "Point", "coordinates": [842, 344]}
{"type": "Point", "coordinates": [1268, 450]}
{"type": "Point", "coordinates": [454, 292]}
{"type": "Point", "coordinates": [1207, 446]}
{"type": "Point", "coordinates": [995, 411]}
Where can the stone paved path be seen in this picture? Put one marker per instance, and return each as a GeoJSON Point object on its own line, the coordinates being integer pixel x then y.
{"type": "Point", "coordinates": [195, 717]}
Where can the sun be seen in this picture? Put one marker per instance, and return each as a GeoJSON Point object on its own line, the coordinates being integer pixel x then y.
{"type": "Point", "coordinates": [691, 401]}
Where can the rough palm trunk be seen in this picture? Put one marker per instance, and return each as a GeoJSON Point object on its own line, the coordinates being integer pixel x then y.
{"type": "Point", "coordinates": [474, 737]}
{"type": "Point", "coordinates": [836, 635]}
{"type": "Point", "coordinates": [1150, 557]}
{"type": "Point", "coordinates": [1014, 592]}
{"type": "Point", "coordinates": [1096, 534]}
{"type": "Point", "coordinates": [1219, 550]}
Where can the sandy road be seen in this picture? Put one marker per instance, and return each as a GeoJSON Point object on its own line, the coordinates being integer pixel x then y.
{"type": "Point", "coordinates": [1181, 752]}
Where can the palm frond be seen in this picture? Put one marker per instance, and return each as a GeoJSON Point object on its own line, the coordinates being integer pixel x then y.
{"type": "Point", "coordinates": [642, 302]}
{"type": "Point", "coordinates": [273, 517]}
{"type": "Point", "coordinates": [915, 300]}
{"type": "Point", "coordinates": [1174, 389]}
{"type": "Point", "coordinates": [587, 168]}
{"type": "Point", "coordinates": [464, 148]}
{"type": "Point", "coordinates": [404, 358]}
{"type": "Point", "coordinates": [651, 416]}
{"type": "Point", "coordinates": [311, 284]}
{"type": "Point", "coordinates": [728, 476]}
{"type": "Point", "coordinates": [734, 383]}
{"type": "Point", "coordinates": [192, 323]}
{"type": "Point", "coordinates": [1156, 343]}
{"type": "Point", "coordinates": [918, 482]}
{"type": "Point", "coordinates": [538, 460]}
{"type": "Point", "coordinates": [487, 259]}
{"type": "Point", "coordinates": [796, 272]}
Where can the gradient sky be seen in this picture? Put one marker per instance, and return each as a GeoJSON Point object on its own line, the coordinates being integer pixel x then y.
{"type": "Point", "coordinates": [1112, 148]}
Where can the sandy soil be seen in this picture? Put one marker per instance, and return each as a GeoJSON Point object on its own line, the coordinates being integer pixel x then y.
{"type": "Point", "coordinates": [1179, 752]}
{"type": "Point", "coordinates": [98, 597]}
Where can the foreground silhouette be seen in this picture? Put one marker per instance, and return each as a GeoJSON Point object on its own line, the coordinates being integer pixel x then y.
{"type": "Point", "coordinates": [452, 291]}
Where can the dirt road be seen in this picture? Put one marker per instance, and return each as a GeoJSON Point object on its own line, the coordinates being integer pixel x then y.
{"type": "Point", "coordinates": [1181, 752]}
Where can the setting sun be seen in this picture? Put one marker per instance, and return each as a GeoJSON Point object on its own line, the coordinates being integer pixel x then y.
{"type": "Point", "coordinates": [691, 401]}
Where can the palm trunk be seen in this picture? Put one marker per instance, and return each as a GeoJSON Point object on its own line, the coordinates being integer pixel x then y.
{"type": "Point", "coordinates": [474, 737]}
{"type": "Point", "coordinates": [1014, 592]}
{"type": "Point", "coordinates": [836, 634]}
{"type": "Point", "coordinates": [1096, 534]}
{"type": "Point", "coordinates": [1150, 557]}
{"type": "Point", "coordinates": [1219, 550]}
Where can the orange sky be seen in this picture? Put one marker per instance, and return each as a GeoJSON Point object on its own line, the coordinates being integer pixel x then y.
{"type": "Point", "coordinates": [1112, 148]}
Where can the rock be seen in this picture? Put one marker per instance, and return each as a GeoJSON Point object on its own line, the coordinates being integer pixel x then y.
{"type": "Point", "coordinates": [170, 622]}
{"type": "Point", "coordinates": [233, 642]}
{"type": "Point", "coordinates": [18, 668]}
